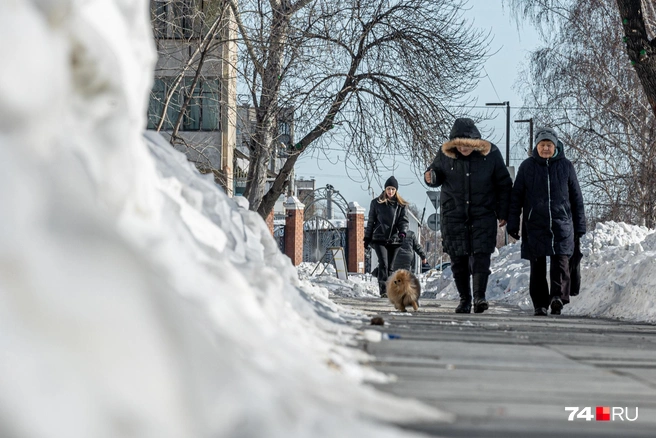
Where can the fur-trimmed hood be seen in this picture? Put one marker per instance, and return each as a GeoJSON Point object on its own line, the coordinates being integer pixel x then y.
{"type": "Point", "coordinates": [482, 146]}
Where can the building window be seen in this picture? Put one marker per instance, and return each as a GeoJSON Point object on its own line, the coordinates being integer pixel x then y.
{"type": "Point", "coordinates": [211, 106]}
{"type": "Point", "coordinates": [183, 19]}
{"type": "Point", "coordinates": [203, 110]}
{"type": "Point", "coordinates": [156, 104]}
{"type": "Point", "coordinates": [283, 128]}
{"type": "Point", "coordinates": [159, 18]}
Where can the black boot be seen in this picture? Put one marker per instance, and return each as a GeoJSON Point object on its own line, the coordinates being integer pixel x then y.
{"type": "Point", "coordinates": [556, 305]}
{"type": "Point", "coordinates": [382, 287]}
{"type": "Point", "coordinates": [462, 284]}
{"type": "Point", "coordinates": [480, 286]}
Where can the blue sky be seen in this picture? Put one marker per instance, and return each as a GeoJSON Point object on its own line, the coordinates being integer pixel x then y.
{"type": "Point", "coordinates": [510, 46]}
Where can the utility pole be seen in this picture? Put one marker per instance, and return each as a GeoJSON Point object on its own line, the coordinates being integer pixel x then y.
{"type": "Point", "coordinates": [507, 105]}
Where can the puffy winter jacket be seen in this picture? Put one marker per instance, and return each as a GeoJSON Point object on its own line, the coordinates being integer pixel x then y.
{"type": "Point", "coordinates": [475, 194]}
{"type": "Point", "coordinates": [385, 221]}
{"type": "Point", "coordinates": [548, 196]}
{"type": "Point", "coordinates": [405, 255]}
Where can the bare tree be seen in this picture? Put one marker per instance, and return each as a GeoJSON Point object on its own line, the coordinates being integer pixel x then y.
{"type": "Point", "coordinates": [375, 77]}
{"type": "Point", "coordinates": [638, 34]}
{"type": "Point", "coordinates": [581, 83]}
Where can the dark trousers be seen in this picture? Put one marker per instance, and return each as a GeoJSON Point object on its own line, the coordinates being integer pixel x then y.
{"type": "Point", "coordinates": [385, 254]}
{"type": "Point", "coordinates": [464, 266]}
{"type": "Point", "coordinates": [559, 276]}
{"type": "Point", "coordinates": [575, 269]}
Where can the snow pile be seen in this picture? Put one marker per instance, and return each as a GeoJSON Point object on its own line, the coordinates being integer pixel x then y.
{"type": "Point", "coordinates": [324, 276]}
{"type": "Point", "coordinates": [136, 299]}
{"type": "Point", "coordinates": [618, 275]}
{"type": "Point", "coordinates": [436, 284]}
{"type": "Point", "coordinates": [610, 235]}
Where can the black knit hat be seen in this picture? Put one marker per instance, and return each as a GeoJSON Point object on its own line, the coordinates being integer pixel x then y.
{"type": "Point", "coordinates": [392, 182]}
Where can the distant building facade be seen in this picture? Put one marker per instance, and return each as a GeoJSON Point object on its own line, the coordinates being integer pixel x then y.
{"type": "Point", "coordinates": [194, 89]}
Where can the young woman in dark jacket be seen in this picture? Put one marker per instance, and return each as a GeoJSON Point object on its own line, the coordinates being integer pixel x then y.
{"type": "Point", "coordinates": [475, 195]}
{"type": "Point", "coordinates": [386, 229]}
{"type": "Point", "coordinates": [547, 195]}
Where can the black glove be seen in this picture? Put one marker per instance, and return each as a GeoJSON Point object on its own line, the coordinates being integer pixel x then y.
{"type": "Point", "coordinates": [514, 234]}
{"type": "Point", "coordinates": [367, 242]}
{"type": "Point", "coordinates": [401, 236]}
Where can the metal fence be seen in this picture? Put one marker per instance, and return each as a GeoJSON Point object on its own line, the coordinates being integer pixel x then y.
{"type": "Point", "coordinates": [279, 235]}
{"type": "Point", "coordinates": [317, 242]}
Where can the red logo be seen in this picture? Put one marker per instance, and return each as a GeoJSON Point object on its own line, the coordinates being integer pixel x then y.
{"type": "Point", "coordinates": [603, 413]}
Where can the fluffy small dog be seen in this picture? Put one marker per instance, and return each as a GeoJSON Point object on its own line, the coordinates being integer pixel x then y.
{"type": "Point", "coordinates": [403, 289]}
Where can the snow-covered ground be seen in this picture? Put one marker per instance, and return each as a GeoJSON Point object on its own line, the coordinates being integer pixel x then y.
{"type": "Point", "coordinates": [136, 298]}
{"type": "Point", "coordinates": [618, 273]}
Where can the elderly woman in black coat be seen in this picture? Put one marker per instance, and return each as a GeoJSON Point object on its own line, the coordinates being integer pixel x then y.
{"type": "Point", "coordinates": [547, 195]}
{"type": "Point", "coordinates": [386, 229]}
{"type": "Point", "coordinates": [474, 203]}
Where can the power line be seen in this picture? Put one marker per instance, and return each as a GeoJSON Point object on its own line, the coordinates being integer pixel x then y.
{"type": "Point", "coordinates": [487, 75]}
{"type": "Point", "coordinates": [527, 108]}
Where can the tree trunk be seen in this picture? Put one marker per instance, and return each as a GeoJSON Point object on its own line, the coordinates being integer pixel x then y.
{"type": "Point", "coordinates": [326, 124]}
{"type": "Point", "coordinates": [641, 50]}
{"type": "Point", "coordinates": [268, 108]}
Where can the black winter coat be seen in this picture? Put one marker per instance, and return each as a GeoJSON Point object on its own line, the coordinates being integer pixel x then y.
{"type": "Point", "coordinates": [547, 194]}
{"type": "Point", "coordinates": [475, 194]}
{"type": "Point", "coordinates": [381, 217]}
{"type": "Point", "coordinates": [405, 255]}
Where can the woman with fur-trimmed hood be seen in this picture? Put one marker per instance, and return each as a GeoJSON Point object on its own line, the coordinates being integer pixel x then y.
{"type": "Point", "coordinates": [474, 201]}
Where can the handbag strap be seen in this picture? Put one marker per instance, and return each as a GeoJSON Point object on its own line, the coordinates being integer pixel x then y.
{"type": "Point", "coordinates": [393, 222]}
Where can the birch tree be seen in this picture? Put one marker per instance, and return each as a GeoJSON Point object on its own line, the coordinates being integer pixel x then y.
{"type": "Point", "coordinates": [636, 18]}
{"type": "Point", "coordinates": [582, 83]}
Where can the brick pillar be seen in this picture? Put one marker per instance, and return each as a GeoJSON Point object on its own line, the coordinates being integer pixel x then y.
{"type": "Point", "coordinates": [355, 234]}
{"type": "Point", "coordinates": [269, 222]}
{"type": "Point", "coordinates": [294, 230]}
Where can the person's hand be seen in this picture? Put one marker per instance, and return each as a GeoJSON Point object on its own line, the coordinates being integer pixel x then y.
{"type": "Point", "coordinates": [401, 236]}
{"type": "Point", "coordinates": [502, 223]}
{"type": "Point", "coordinates": [514, 235]}
{"type": "Point", "coordinates": [367, 242]}
{"type": "Point", "coordinates": [430, 177]}
{"type": "Point", "coordinates": [427, 177]}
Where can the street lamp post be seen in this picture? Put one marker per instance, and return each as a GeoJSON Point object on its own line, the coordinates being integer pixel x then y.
{"type": "Point", "coordinates": [530, 138]}
{"type": "Point", "coordinates": [507, 105]}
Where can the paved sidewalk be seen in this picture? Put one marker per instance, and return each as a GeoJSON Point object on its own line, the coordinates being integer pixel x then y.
{"type": "Point", "coordinates": [506, 373]}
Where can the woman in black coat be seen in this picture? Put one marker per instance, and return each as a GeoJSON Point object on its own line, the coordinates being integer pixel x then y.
{"type": "Point", "coordinates": [386, 229]}
{"type": "Point", "coordinates": [474, 203]}
{"type": "Point", "coordinates": [547, 195]}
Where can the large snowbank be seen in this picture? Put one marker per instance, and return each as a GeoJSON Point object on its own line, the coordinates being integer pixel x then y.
{"type": "Point", "coordinates": [618, 273]}
{"type": "Point", "coordinates": [136, 299]}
